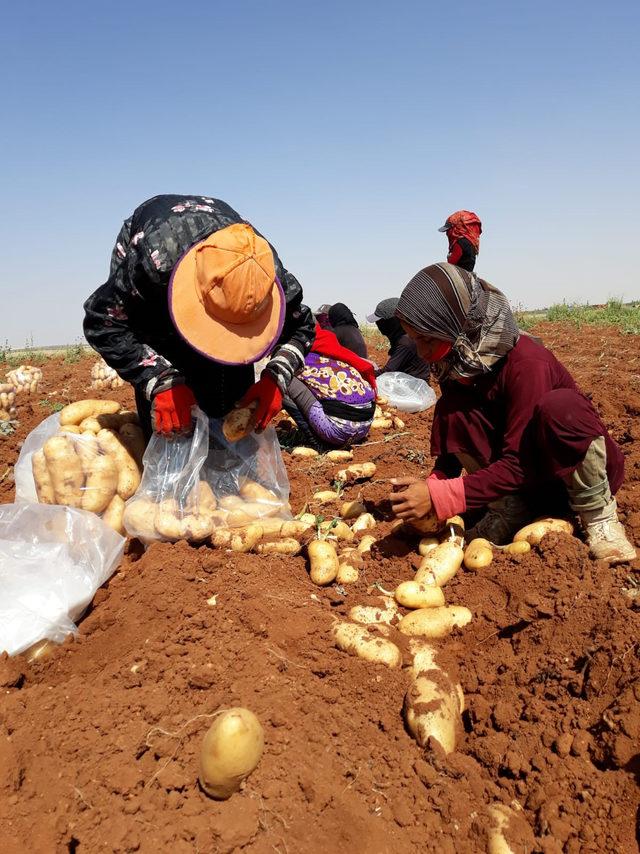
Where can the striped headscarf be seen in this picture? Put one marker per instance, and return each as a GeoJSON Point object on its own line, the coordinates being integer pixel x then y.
{"type": "Point", "coordinates": [448, 303]}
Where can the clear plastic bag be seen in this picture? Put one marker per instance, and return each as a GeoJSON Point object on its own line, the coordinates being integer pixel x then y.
{"type": "Point", "coordinates": [25, 379]}
{"type": "Point", "coordinates": [104, 377]}
{"type": "Point", "coordinates": [406, 393]}
{"type": "Point", "coordinates": [52, 561]}
{"type": "Point", "coordinates": [193, 485]}
{"type": "Point", "coordinates": [95, 470]}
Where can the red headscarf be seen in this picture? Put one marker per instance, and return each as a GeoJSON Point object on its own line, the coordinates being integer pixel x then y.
{"type": "Point", "coordinates": [464, 224]}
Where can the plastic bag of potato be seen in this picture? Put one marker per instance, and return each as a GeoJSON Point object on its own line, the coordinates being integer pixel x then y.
{"type": "Point", "coordinates": [196, 486]}
{"type": "Point", "coordinates": [25, 379]}
{"type": "Point", "coordinates": [7, 402]}
{"type": "Point", "coordinates": [88, 456]}
{"type": "Point", "coordinates": [103, 377]}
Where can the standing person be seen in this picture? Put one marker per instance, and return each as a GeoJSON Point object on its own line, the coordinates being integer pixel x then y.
{"type": "Point", "coordinates": [403, 355]}
{"type": "Point", "coordinates": [195, 296]}
{"type": "Point", "coordinates": [511, 415]}
{"type": "Point", "coordinates": [332, 400]}
{"type": "Point", "coordinates": [463, 230]}
{"type": "Point", "coordinates": [345, 327]}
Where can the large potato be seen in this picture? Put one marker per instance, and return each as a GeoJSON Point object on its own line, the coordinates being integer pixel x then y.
{"type": "Point", "coordinates": [324, 562]}
{"type": "Point", "coordinates": [433, 704]}
{"type": "Point", "coordinates": [386, 612]}
{"type": "Point", "coordinates": [65, 470]}
{"type": "Point", "coordinates": [440, 565]}
{"type": "Point", "coordinates": [534, 532]}
{"type": "Point", "coordinates": [76, 412]}
{"type": "Point", "coordinates": [239, 422]}
{"type": "Point", "coordinates": [113, 516]}
{"type": "Point", "coordinates": [413, 594]}
{"type": "Point", "coordinates": [100, 485]}
{"type": "Point", "coordinates": [230, 751]}
{"type": "Point", "coordinates": [434, 622]}
{"type": "Point", "coordinates": [128, 471]}
{"type": "Point", "coordinates": [358, 640]}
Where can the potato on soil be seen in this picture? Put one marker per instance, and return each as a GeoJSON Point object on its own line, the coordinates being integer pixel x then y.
{"type": "Point", "coordinates": [324, 562]}
{"type": "Point", "coordinates": [412, 594]}
{"type": "Point", "coordinates": [364, 522]}
{"type": "Point", "coordinates": [244, 539]}
{"type": "Point", "coordinates": [339, 456]}
{"type": "Point", "coordinates": [427, 525]}
{"type": "Point", "coordinates": [239, 422]}
{"type": "Point", "coordinates": [336, 529]}
{"type": "Point", "coordinates": [364, 546]}
{"type": "Point", "coordinates": [440, 565]}
{"type": "Point", "coordinates": [358, 640]}
{"type": "Point", "coordinates": [101, 483]}
{"type": "Point", "coordinates": [382, 401]}
{"type": "Point", "coordinates": [358, 471]}
{"type": "Point", "coordinates": [432, 704]}
{"type": "Point", "coordinates": [42, 479]}
{"type": "Point", "coordinates": [381, 423]}
{"type": "Point", "coordinates": [65, 470]}
{"type": "Point", "coordinates": [76, 412]}
{"type": "Point", "coordinates": [398, 423]}
{"type": "Point", "coordinates": [326, 496]}
{"type": "Point", "coordinates": [427, 545]}
{"type": "Point", "coordinates": [284, 546]}
{"type": "Point", "coordinates": [352, 509]}
{"type": "Point", "coordinates": [435, 622]}
{"type": "Point", "coordinates": [297, 529]}
{"type": "Point", "coordinates": [230, 751]}
{"type": "Point", "coordinates": [301, 451]}
{"type": "Point", "coordinates": [503, 817]}
{"type": "Point", "coordinates": [347, 572]}
{"type": "Point", "coordinates": [386, 612]}
{"type": "Point", "coordinates": [113, 515]}
{"type": "Point", "coordinates": [477, 556]}
{"type": "Point", "coordinates": [128, 471]}
{"type": "Point", "coordinates": [534, 532]}
{"type": "Point", "coordinates": [519, 548]}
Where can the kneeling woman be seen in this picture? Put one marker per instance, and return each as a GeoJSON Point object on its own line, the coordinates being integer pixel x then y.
{"type": "Point", "coordinates": [332, 400]}
{"type": "Point", "coordinates": [510, 415]}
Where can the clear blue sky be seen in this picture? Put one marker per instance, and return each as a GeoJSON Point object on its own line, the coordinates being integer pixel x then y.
{"type": "Point", "coordinates": [345, 131]}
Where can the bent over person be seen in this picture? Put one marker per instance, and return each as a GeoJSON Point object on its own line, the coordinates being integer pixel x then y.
{"type": "Point", "coordinates": [195, 296]}
{"type": "Point", "coordinates": [510, 415]}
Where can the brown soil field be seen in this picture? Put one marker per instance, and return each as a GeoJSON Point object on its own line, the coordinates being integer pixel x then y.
{"type": "Point", "coordinates": [99, 739]}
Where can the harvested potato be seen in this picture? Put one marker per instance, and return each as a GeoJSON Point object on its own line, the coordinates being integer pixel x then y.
{"type": "Point", "coordinates": [364, 546]}
{"type": "Point", "coordinates": [7, 402]}
{"type": "Point", "coordinates": [197, 527]}
{"type": "Point", "coordinates": [297, 529]}
{"type": "Point", "coordinates": [221, 538]}
{"type": "Point", "coordinates": [432, 704]}
{"type": "Point", "coordinates": [139, 519]}
{"type": "Point", "coordinates": [261, 509]}
{"type": "Point", "coordinates": [301, 451]}
{"type": "Point", "coordinates": [440, 565]}
{"type": "Point", "coordinates": [339, 456]}
{"type": "Point", "coordinates": [65, 470]}
{"type": "Point", "coordinates": [231, 502]}
{"type": "Point", "coordinates": [168, 525]}
{"type": "Point", "coordinates": [381, 423]}
{"type": "Point", "coordinates": [378, 412]}
{"type": "Point", "coordinates": [128, 471]}
{"type": "Point", "coordinates": [323, 560]}
{"type": "Point", "coordinates": [114, 421]}
{"type": "Point", "coordinates": [73, 429]}
{"type": "Point", "coordinates": [25, 379]}
{"type": "Point", "coordinates": [239, 422]}
{"type": "Point", "coordinates": [398, 423]}
{"type": "Point", "coordinates": [285, 546]}
{"type": "Point", "coordinates": [202, 499]}
{"type": "Point", "coordinates": [76, 412]}
{"type": "Point", "coordinates": [412, 594]}
{"type": "Point", "coordinates": [42, 479]}
{"type": "Point", "coordinates": [352, 509]}
{"type": "Point", "coordinates": [427, 545]}
{"type": "Point", "coordinates": [382, 401]}
{"type": "Point", "coordinates": [326, 496]}
{"type": "Point", "coordinates": [480, 542]}
{"type": "Point", "coordinates": [358, 471]}
{"type": "Point", "coordinates": [252, 491]}
{"type": "Point", "coordinates": [347, 572]}
{"type": "Point", "coordinates": [358, 640]}
{"type": "Point", "coordinates": [336, 529]}
{"type": "Point", "coordinates": [101, 483]}
{"type": "Point", "coordinates": [386, 612]}
{"type": "Point", "coordinates": [435, 622]}
{"type": "Point", "coordinates": [427, 525]}
{"type": "Point", "coordinates": [477, 556]}
{"type": "Point", "coordinates": [534, 532]}
{"type": "Point", "coordinates": [503, 817]}
{"type": "Point", "coordinates": [519, 548]}
{"type": "Point", "coordinates": [364, 522]}
{"type": "Point", "coordinates": [244, 539]}
{"type": "Point", "coordinates": [230, 751]}
{"type": "Point", "coordinates": [113, 515]}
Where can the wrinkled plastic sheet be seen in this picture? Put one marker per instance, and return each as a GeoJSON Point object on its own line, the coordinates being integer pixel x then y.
{"type": "Point", "coordinates": [406, 393]}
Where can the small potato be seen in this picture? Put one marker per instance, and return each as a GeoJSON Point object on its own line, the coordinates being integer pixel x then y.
{"type": "Point", "coordinates": [65, 470]}
{"type": "Point", "coordinates": [519, 548]}
{"type": "Point", "coordinates": [42, 479]}
{"type": "Point", "coordinates": [230, 751]}
{"type": "Point", "coordinates": [347, 572]}
{"type": "Point", "coordinates": [361, 471]}
{"type": "Point", "coordinates": [358, 640]}
{"type": "Point", "coordinates": [477, 557]}
{"type": "Point", "coordinates": [378, 413]}
{"type": "Point", "coordinates": [398, 423]}
{"type": "Point", "coordinates": [412, 594]}
{"type": "Point", "coordinates": [480, 542]}
{"type": "Point", "coordinates": [364, 522]}
{"type": "Point", "coordinates": [139, 519]}
{"type": "Point", "coordinates": [440, 565]}
{"type": "Point", "coordinates": [326, 496]}
{"type": "Point", "coordinates": [304, 452]}
{"type": "Point", "coordinates": [534, 532]}
{"type": "Point", "coordinates": [352, 509]}
{"type": "Point", "coordinates": [382, 401]}
{"type": "Point", "coordinates": [435, 622]}
{"type": "Point", "coordinates": [381, 423]}
{"type": "Point", "coordinates": [113, 515]}
{"type": "Point", "coordinates": [285, 546]}
{"type": "Point", "coordinates": [324, 562]}
{"type": "Point", "coordinates": [239, 422]}
{"type": "Point", "coordinates": [339, 456]}
{"type": "Point", "coordinates": [100, 485]}
{"type": "Point", "coordinates": [364, 546]}
{"type": "Point", "coordinates": [386, 612]}
{"type": "Point", "coordinates": [76, 412]}
{"type": "Point", "coordinates": [505, 822]}
{"type": "Point", "coordinates": [427, 545]}
{"type": "Point", "coordinates": [337, 529]}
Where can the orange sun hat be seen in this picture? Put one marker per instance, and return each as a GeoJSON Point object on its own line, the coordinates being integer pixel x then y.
{"type": "Point", "coordinates": [225, 299]}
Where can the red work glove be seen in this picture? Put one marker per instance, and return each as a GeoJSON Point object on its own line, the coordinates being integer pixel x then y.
{"type": "Point", "coordinates": [171, 409]}
{"type": "Point", "coordinates": [269, 398]}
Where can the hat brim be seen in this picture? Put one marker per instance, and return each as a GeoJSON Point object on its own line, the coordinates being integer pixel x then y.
{"type": "Point", "coordinates": [373, 318]}
{"type": "Point", "coordinates": [445, 227]}
{"type": "Point", "coordinates": [226, 343]}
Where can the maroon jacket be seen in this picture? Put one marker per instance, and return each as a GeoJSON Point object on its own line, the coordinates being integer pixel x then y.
{"type": "Point", "coordinates": [494, 421]}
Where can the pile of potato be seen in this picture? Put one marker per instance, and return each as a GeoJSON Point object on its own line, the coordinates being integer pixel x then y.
{"type": "Point", "coordinates": [25, 379]}
{"type": "Point", "coordinates": [95, 461]}
{"type": "Point", "coordinates": [7, 402]}
{"type": "Point", "coordinates": [384, 419]}
{"type": "Point", "coordinates": [479, 552]}
{"type": "Point", "coordinates": [103, 377]}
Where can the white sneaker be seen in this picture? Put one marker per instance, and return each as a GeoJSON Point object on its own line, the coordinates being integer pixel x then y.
{"type": "Point", "coordinates": [606, 536]}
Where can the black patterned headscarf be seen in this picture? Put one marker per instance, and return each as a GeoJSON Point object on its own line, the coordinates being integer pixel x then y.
{"type": "Point", "coordinates": [451, 304]}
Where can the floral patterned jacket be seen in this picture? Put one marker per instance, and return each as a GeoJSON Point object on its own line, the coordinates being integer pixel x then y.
{"type": "Point", "coordinates": [127, 319]}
